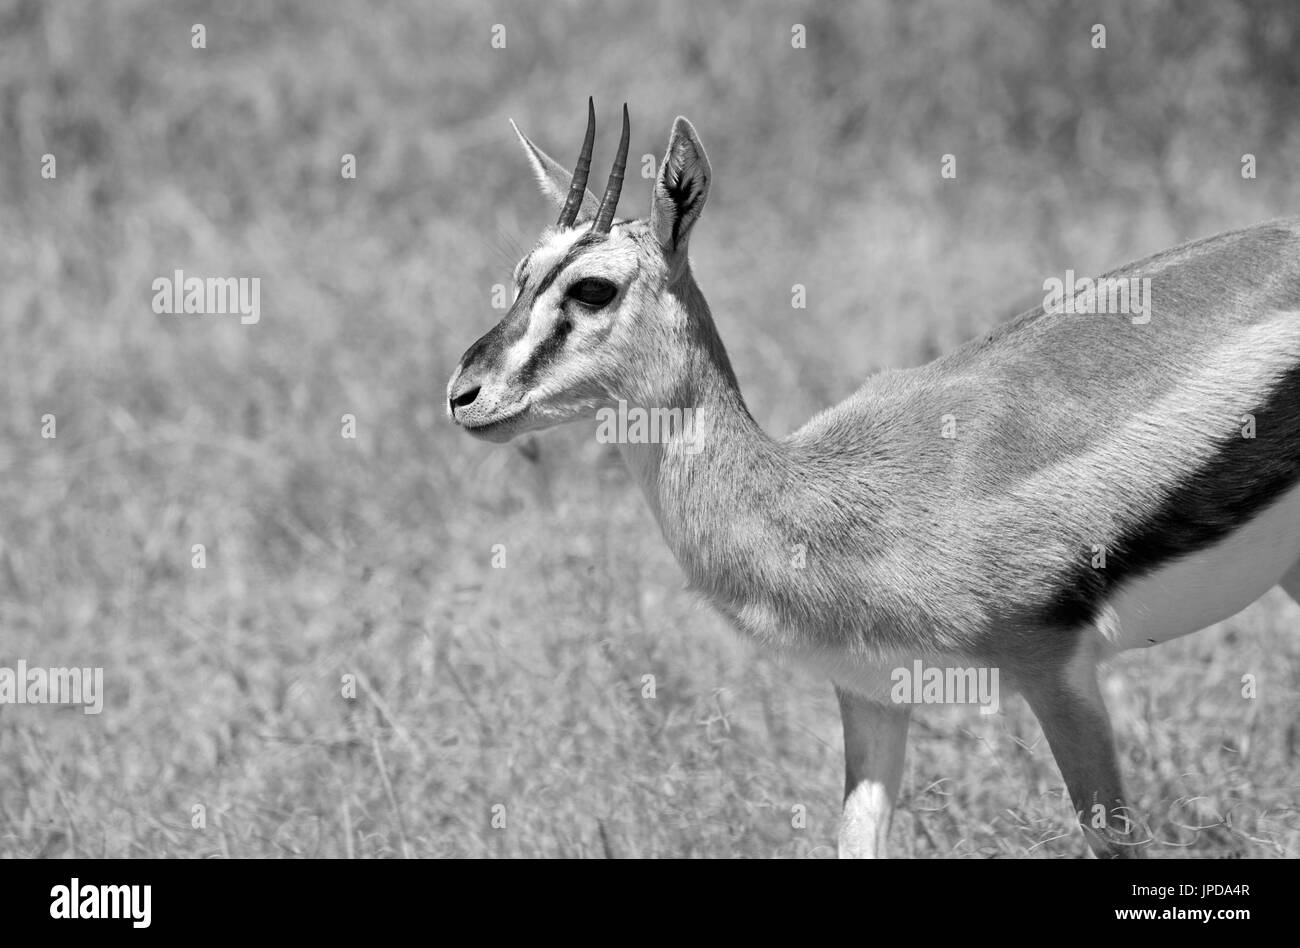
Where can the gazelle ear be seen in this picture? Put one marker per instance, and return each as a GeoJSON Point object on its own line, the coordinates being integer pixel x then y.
{"type": "Point", "coordinates": [681, 188]}
{"type": "Point", "coordinates": [552, 178]}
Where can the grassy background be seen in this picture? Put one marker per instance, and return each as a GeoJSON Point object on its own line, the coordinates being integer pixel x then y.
{"type": "Point", "coordinates": [521, 687]}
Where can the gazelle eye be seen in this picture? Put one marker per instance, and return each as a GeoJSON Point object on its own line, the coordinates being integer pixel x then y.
{"type": "Point", "coordinates": [592, 292]}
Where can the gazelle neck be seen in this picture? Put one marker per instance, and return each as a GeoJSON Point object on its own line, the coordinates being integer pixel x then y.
{"type": "Point", "coordinates": [715, 491]}
{"type": "Point", "coordinates": [771, 531]}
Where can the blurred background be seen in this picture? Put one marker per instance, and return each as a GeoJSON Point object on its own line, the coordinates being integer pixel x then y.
{"type": "Point", "coordinates": [521, 688]}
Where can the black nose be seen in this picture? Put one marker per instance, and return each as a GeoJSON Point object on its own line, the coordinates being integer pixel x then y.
{"type": "Point", "coordinates": [465, 398]}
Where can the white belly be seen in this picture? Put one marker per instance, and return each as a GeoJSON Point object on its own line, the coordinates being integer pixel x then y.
{"type": "Point", "coordinates": [1206, 587]}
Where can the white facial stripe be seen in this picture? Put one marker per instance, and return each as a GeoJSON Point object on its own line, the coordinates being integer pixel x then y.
{"type": "Point", "coordinates": [549, 252]}
{"type": "Point", "coordinates": [555, 245]}
{"type": "Point", "coordinates": [618, 264]}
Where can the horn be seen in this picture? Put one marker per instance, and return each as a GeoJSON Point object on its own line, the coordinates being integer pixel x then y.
{"type": "Point", "coordinates": [578, 187]}
{"type": "Point", "coordinates": [605, 216]}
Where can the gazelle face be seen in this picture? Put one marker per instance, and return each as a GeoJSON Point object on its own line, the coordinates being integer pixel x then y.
{"type": "Point", "coordinates": [584, 307]}
{"type": "Point", "coordinates": [593, 316]}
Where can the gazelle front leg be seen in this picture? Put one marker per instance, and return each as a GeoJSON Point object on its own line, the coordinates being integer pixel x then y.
{"type": "Point", "coordinates": [875, 740]}
{"type": "Point", "coordinates": [1070, 709]}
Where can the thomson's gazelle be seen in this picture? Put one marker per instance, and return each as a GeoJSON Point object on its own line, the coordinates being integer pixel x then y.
{"type": "Point", "coordinates": [1060, 489]}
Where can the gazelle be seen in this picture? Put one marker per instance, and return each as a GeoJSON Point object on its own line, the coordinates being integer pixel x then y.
{"type": "Point", "coordinates": [1058, 490]}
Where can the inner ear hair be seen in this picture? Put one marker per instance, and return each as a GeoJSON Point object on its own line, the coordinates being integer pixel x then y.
{"type": "Point", "coordinates": [681, 187]}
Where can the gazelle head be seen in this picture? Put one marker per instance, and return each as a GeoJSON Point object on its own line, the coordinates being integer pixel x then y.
{"type": "Point", "coordinates": [601, 306]}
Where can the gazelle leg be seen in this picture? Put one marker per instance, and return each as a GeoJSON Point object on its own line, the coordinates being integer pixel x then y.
{"type": "Point", "coordinates": [875, 740]}
{"type": "Point", "coordinates": [1073, 716]}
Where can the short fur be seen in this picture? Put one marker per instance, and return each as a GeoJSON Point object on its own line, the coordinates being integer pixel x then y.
{"type": "Point", "coordinates": [1071, 433]}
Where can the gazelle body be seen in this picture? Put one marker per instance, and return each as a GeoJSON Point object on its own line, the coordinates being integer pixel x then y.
{"type": "Point", "coordinates": [1064, 488]}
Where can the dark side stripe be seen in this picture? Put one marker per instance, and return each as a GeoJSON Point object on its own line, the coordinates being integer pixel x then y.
{"type": "Point", "coordinates": [1243, 476]}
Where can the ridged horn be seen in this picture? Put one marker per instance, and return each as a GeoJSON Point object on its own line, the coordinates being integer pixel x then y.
{"type": "Point", "coordinates": [578, 187]}
{"type": "Point", "coordinates": [609, 203]}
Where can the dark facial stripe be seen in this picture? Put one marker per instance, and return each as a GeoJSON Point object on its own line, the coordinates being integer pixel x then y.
{"type": "Point", "coordinates": [497, 339]}
{"type": "Point", "coordinates": [545, 353]}
{"type": "Point", "coordinates": [1243, 477]}
{"type": "Point", "coordinates": [515, 323]}
{"type": "Point", "coordinates": [579, 246]}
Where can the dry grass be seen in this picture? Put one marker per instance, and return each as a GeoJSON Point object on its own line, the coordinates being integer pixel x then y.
{"type": "Point", "coordinates": [521, 686]}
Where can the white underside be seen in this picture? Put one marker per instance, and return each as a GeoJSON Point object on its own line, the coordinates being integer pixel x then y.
{"type": "Point", "coordinates": [1184, 596]}
{"type": "Point", "coordinates": [1206, 587]}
